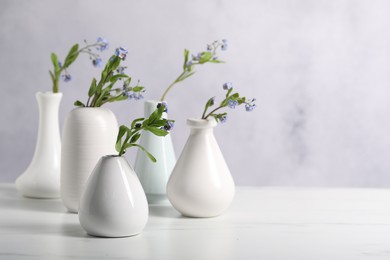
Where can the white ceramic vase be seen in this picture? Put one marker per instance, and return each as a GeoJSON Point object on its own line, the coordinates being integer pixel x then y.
{"type": "Point", "coordinates": [201, 184]}
{"type": "Point", "coordinates": [154, 176]}
{"type": "Point", "coordinates": [88, 134]}
{"type": "Point", "coordinates": [42, 177]}
{"type": "Point", "coordinates": [113, 203]}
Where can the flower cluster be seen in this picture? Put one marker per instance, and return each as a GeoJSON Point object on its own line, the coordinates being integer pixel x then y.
{"type": "Point", "coordinates": [103, 91]}
{"type": "Point", "coordinates": [128, 137]}
{"type": "Point", "coordinates": [210, 55]}
{"type": "Point", "coordinates": [231, 101]}
{"type": "Point", "coordinates": [60, 69]}
{"type": "Point", "coordinates": [207, 56]}
{"type": "Point", "coordinates": [100, 45]}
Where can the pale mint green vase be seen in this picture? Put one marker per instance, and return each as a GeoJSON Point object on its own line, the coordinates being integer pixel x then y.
{"type": "Point", "coordinates": [154, 176]}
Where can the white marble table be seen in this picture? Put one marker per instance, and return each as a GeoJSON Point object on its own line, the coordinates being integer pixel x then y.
{"type": "Point", "coordinates": [262, 224]}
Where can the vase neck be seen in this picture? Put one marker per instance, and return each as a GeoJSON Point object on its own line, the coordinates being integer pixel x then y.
{"type": "Point", "coordinates": [201, 126]}
{"type": "Point", "coordinates": [48, 140]}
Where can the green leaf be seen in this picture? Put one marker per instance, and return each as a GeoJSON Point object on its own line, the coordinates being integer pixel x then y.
{"type": "Point", "coordinates": [102, 95]}
{"type": "Point", "coordinates": [155, 115]}
{"type": "Point", "coordinates": [113, 63]}
{"type": "Point", "coordinates": [78, 103]}
{"type": "Point", "coordinates": [92, 88]}
{"type": "Point", "coordinates": [186, 53]}
{"type": "Point", "coordinates": [135, 121]}
{"type": "Point", "coordinates": [241, 100]}
{"type": "Point", "coordinates": [205, 57]}
{"type": "Point", "coordinates": [216, 61]}
{"type": "Point", "coordinates": [117, 98]}
{"type": "Point", "coordinates": [122, 130]}
{"type": "Point", "coordinates": [156, 131]}
{"type": "Point", "coordinates": [54, 60]}
{"type": "Point", "coordinates": [52, 76]}
{"type": "Point", "coordinates": [138, 88]}
{"type": "Point", "coordinates": [158, 123]}
{"type": "Point", "coordinates": [210, 102]}
{"type": "Point", "coordinates": [135, 138]}
{"type": "Point", "coordinates": [118, 76]}
{"type": "Point", "coordinates": [72, 55]}
{"type": "Point", "coordinates": [151, 157]}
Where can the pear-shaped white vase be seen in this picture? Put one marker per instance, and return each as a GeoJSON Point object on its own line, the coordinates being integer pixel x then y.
{"type": "Point", "coordinates": [154, 176]}
{"type": "Point", "coordinates": [113, 203]}
{"type": "Point", "coordinates": [88, 134]}
{"type": "Point", "coordinates": [42, 177]}
{"type": "Point", "coordinates": [201, 184]}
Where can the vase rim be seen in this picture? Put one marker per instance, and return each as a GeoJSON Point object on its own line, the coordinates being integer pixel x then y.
{"type": "Point", "coordinates": [49, 93]}
{"type": "Point", "coordinates": [201, 123]}
{"type": "Point", "coordinates": [90, 108]}
{"type": "Point", "coordinates": [155, 101]}
{"type": "Point", "coordinates": [112, 156]}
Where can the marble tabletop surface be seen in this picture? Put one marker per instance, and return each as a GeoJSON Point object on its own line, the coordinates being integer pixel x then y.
{"type": "Point", "coordinates": [262, 223]}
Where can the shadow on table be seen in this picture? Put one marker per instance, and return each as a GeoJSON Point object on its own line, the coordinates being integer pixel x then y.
{"type": "Point", "coordinates": [74, 230]}
{"type": "Point", "coordinates": [11, 199]}
{"type": "Point", "coordinates": [165, 211]}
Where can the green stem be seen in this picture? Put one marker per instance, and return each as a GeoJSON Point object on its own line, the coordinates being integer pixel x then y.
{"type": "Point", "coordinates": [55, 86]}
{"type": "Point", "coordinates": [203, 117]}
{"type": "Point", "coordinates": [170, 86]}
{"type": "Point", "coordinates": [122, 150]}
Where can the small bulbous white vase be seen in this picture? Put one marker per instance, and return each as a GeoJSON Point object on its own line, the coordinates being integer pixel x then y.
{"type": "Point", "coordinates": [201, 184]}
{"type": "Point", "coordinates": [42, 177]}
{"type": "Point", "coordinates": [88, 134]}
{"type": "Point", "coordinates": [154, 176]}
{"type": "Point", "coordinates": [113, 203]}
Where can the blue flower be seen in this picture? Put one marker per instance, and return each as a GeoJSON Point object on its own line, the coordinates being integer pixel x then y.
{"type": "Point", "coordinates": [169, 125]}
{"type": "Point", "coordinates": [233, 103]}
{"type": "Point", "coordinates": [223, 119]}
{"type": "Point", "coordinates": [135, 96]}
{"type": "Point", "coordinates": [189, 64]}
{"type": "Point", "coordinates": [66, 77]}
{"type": "Point", "coordinates": [103, 44]}
{"type": "Point", "coordinates": [121, 52]}
{"type": "Point", "coordinates": [120, 69]}
{"type": "Point", "coordinates": [224, 45]}
{"type": "Point", "coordinates": [97, 62]}
{"type": "Point", "coordinates": [59, 64]}
{"type": "Point", "coordinates": [249, 106]}
{"type": "Point", "coordinates": [227, 85]}
{"type": "Point", "coordinates": [163, 103]}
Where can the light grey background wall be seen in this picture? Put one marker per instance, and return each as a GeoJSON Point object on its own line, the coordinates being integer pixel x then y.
{"type": "Point", "coordinates": [320, 71]}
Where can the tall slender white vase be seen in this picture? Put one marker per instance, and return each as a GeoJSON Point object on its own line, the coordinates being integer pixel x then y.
{"type": "Point", "coordinates": [154, 176]}
{"type": "Point", "coordinates": [88, 134]}
{"type": "Point", "coordinates": [201, 184]}
{"type": "Point", "coordinates": [113, 203]}
{"type": "Point", "coordinates": [42, 177]}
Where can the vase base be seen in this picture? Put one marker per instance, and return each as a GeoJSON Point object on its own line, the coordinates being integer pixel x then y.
{"type": "Point", "coordinates": [41, 197]}
{"type": "Point", "coordinates": [113, 236]}
{"type": "Point", "coordinates": [36, 190]}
